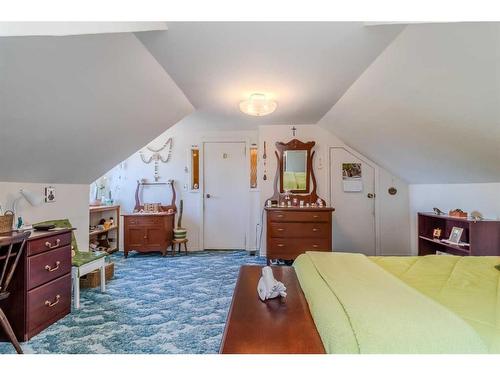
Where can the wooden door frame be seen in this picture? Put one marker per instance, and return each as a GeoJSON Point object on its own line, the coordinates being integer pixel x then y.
{"type": "Point", "coordinates": [245, 201]}
{"type": "Point", "coordinates": [376, 182]}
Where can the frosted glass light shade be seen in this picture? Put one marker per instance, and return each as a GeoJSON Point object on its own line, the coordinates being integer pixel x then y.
{"type": "Point", "coordinates": [258, 105]}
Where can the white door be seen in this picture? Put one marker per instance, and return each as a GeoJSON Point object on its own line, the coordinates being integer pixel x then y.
{"type": "Point", "coordinates": [353, 198]}
{"type": "Point", "coordinates": [225, 195]}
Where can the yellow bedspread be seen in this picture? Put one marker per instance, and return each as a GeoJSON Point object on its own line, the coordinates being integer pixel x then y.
{"type": "Point", "coordinates": [468, 286]}
{"type": "Point", "coordinates": [432, 304]}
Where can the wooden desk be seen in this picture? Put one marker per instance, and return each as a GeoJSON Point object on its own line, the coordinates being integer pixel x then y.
{"type": "Point", "coordinates": [41, 286]}
{"type": "Point", "coordinates": [271, 327]}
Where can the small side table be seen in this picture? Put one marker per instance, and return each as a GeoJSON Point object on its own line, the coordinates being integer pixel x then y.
{"type": "Point", "coordinates": [179, 242]}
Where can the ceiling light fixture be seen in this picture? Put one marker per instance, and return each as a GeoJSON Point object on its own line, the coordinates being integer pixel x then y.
{"type": "Point", "coordinates": [258, 105]}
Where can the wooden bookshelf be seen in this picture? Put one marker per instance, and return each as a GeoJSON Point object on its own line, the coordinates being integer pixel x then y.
{"type": "Point", "coordinates": [481, 237]}
{"type": "Point", "coordinates": [109, 236]}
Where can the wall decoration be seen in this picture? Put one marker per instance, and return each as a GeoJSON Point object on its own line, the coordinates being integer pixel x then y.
{"type": "Point", "coordinates": [264, 157]}
{"type": "Point", "coordinates": [253, 166]}
{"type": "Point", "coordinates": [195, 167]}
{"type": "Point", "coordinates": [50, 194]}
{"type": "Point", "coordinates": [162, 154]}
{"type": "Point", "coordinates": [351, 177]}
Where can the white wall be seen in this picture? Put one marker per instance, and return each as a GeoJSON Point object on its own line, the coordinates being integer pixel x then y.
{"type": "Point", "coordinates": [484, 198]}
{"type": "Point", "coordinates": [71, 202]}
{"type": "Point", "coordinates": [123, 178]}
{"type": "Point", "coordinates": [392, 210]}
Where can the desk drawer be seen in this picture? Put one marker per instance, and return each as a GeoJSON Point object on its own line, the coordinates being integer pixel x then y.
{"type": "Point", "coordinates": [290, 248]}
{"type": "Point", "coordinates": [48, 243]}
{"type": "Point", "coordinates": [299, 230]}
{"type": "Point", "coordinates": [48, 266]}
{"type": "Point", "coordinates": [297, 216]}
{"type": "Point", "coordinates": [48, 303]}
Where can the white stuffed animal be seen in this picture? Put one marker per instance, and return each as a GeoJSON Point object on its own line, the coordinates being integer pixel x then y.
{"type": "Point", "coordinates": [268, 287]}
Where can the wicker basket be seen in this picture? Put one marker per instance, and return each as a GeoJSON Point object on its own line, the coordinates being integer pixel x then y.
{"type": "Point", "coordinates": [6, 222]}
{"type": "Point", "coordinates": [93, 279]}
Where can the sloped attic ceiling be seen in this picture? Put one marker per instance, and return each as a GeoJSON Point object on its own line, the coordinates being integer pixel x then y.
{"type": "Point", "coordinates": [73, 107]}
{"type": "Point", "coordinates": [428, 108]}
{"type": "Point", "coordinates": [305, 66]}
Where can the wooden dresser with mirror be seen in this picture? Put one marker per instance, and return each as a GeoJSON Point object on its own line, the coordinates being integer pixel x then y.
{"type": "Point", "coordinates": [298, 219]}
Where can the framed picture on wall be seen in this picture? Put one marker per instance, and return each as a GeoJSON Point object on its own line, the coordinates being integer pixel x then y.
{"type": "Point", "coordinates": [50, 194]}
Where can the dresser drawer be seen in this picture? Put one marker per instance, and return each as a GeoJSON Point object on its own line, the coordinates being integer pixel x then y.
{"type": "Point", "coordinates": [299, 230]}
{"type": "Point", "coordinates": [290, 248]}
{"type": "Point", "coordinates": [48, 243]}
{"type": "Point", "coordinates": [48, 266]}
{"type": "Point", "coordinates": [48, 303]}
{"type": "Point", "coordinates": [298, 216]}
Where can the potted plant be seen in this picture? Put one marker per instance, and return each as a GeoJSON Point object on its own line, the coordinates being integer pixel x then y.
{"type": "Point", "coordinates": [179, 231]}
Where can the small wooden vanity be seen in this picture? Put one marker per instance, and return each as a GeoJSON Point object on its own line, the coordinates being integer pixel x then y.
{"type": "Point", "coordinates": [299, 220]}
{"type": "Point", "coordinates": [146, 231]}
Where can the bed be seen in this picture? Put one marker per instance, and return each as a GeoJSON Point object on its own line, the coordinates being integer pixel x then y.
{"type": "Point", "coordinates": [431, 304]}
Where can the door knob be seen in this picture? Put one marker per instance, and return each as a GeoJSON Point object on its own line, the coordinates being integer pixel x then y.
{"type": "Point", "coordinates": [208, 195]}
{"type": "Point", "coordinates": [371, 195]}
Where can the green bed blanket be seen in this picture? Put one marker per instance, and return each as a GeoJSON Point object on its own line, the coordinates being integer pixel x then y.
{"type": "Point", "coordinates": [361, 307]}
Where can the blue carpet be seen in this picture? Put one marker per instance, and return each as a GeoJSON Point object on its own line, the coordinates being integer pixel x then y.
{"type": "Point", "coordinates": [152, 305]}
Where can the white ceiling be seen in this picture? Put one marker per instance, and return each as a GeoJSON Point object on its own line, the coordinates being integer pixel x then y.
{"type": "Point", "coordinates": [73, 107]}
{"type": "Point", "coordinates": [306, 66]}
{"type": "Point", "coordinates": [75, 28]}
{"type": "Point", "coordinates": [428, 108]}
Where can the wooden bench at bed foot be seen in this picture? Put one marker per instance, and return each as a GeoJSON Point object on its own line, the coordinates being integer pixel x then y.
{"type": "Point", "coordinates": [273, 327]}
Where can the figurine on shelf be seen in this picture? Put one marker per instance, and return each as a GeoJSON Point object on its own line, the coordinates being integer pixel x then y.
{"type": "Point", "coordinates": [457, 212]}
{"type": "Point", "coordinates": [437, 211]}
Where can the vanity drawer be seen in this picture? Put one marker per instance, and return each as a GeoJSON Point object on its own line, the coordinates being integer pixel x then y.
{"type": "Point", "coordinates": [297, 216]}
{"type": "Point", "coordinates": [37, 246]}
{"type": "Point", "coordinates": [290, 248]}
{"type": "Point", "coordinates": [299, 230]}
{"type": "Point", "coordinates": [48, 303]}
{"type": "Point", "coordinates": [144, 220]}
{"type": "Point", "coordinates": [48, 266]}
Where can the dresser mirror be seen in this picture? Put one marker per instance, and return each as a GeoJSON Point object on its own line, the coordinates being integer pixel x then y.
{"type": "Point", "coordinates": [295, 164]}
{"type": "Point", "coordinates": [295, 175]}
{"type": "Point", "coordinates": [295, 172]}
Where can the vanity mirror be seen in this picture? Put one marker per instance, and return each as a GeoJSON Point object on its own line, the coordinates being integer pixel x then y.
{"type": "Point", "coordinates": [295, 175]}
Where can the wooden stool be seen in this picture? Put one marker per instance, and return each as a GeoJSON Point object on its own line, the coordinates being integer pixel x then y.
{"type": "Point", "coordinates": [179, 241]}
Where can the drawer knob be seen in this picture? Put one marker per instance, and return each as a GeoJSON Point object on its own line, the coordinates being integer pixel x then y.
{"type": "Point", "coordinates": [51, 246]}
{"type": "Point", "coordinates": [315, 229]}
{"type": "Point", "coordinates": [50, 304]}
{"type": "Point", "coordinates": [280, 245]}
{"type": "Point", "coordinates": [50, 269]}
{"type": "Point", "coordinates": [280, 216]}
{"type": "Point", "coordinates": [315, 216]}
{"type": "Point", "coordinates": [315, 246]}
{"type": "Point", "coordinates": [280, 229]}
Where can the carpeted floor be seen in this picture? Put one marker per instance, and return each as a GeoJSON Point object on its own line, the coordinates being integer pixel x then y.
{"type": "Point", "coordinates": [153, 305]}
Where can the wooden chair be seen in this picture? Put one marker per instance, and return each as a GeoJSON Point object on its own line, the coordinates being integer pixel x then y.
{"type": "Point", "coordinates": [8, 264]}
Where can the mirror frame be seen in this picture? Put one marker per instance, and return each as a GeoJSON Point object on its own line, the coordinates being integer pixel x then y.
{"type": "Point", "coordinates": [310, 196]}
